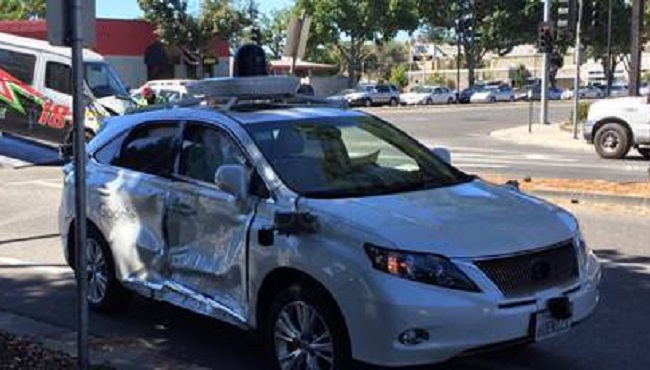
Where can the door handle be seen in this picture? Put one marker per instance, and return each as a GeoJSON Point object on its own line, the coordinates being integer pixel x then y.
{"type": "Point", "coordinates": [103, 191]}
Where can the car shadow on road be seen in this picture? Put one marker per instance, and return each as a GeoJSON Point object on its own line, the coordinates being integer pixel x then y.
{"type": "Point", "coordinates": [26, 153]}
{"type": "Point", "coordinates": [614, 337]}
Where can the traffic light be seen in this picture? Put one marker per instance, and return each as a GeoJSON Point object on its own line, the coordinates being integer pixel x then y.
{"type": "Point", "coordinates": [256, 36]}
{"type": "Point", "coordinates": [566, 12]}
{"type": "Point", "coordinates": [545, 39]}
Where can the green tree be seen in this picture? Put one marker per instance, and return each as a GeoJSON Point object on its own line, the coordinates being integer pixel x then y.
{"type": "Point", "coordinates": [22, 9]}
{"type": "Point", "coordinates": [398, 76]}
{"type": "Point", "coordinates": [520, 75]}
{"type": "Point", "coordinates": [482, 26]}
{"type": "Point", "coordinates": [348, 25]}
{"type": "Point", "coordinates": [273, 29]}
{"type": "Point", "coordinates": [176, 27]}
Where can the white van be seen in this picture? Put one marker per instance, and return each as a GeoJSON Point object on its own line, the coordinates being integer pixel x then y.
{"type": "Point", "coordinates": [36, 89]}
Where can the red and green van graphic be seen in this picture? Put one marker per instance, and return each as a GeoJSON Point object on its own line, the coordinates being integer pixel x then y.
{"type": "Point", "coordinates": [19, 98]}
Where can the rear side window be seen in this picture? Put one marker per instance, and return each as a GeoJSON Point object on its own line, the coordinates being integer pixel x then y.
{"type": "Point", "coordinates": [19, 65]}
{"type": "Point", "coordinates": [150, 148]}
{"type": "Point", "coordinates": [109, 152]}
{"type": "Point", "coordinates": [383, 89]}
{"type": "Point", "coordinates": [58, 77]}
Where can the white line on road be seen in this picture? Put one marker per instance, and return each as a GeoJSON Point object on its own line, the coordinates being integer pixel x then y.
{"type": "Point", "coordinates": [35, 266]}
{"type": "Point", "coordinates": [50, 183]}
{"type": "Point", "coordinates": [12, 162]}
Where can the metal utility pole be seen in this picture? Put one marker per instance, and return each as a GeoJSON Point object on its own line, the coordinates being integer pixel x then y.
{"type": "Point", "coordinates": [543, 116]}
{"type": "Point", "coordinates": [638, 10]}
{"type": "Point", "coordinates": [458, 60]}
{"type": "Point", "coordinates": [610, 69]}
{"type": "Point", "coordinates": [78, 108]}
{"type": "Point", "coordinates": [576, 82]}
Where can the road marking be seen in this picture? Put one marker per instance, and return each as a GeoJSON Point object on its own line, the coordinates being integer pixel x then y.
{"type": "Point", "coordinates": [12, 162]}
{"type": "Point", "coordinates": [482, 165]}
{"type": "Point", "coordinates": [35, 266]}
{"type": "Point", "coordinates": [50, 183]}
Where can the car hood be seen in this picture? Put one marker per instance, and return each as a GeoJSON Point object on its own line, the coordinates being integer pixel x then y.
{"type": "Point", "coordinates": [619, 102]}
{"type": "Point", "coordinates": [473, 219]}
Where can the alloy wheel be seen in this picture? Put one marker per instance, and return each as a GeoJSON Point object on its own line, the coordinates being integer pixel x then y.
{"type": "Point", "coordinates": [96, 272]}
{"type": "Point", "coordinates": [610, 141]}
{"type": "Point", "coordinates": [302, 339]}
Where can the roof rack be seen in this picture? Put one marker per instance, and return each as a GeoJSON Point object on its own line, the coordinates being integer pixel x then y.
{"type": "Point", "coordinates": [232, 92]}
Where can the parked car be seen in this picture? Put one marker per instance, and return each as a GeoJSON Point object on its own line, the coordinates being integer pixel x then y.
{"type": "Point", "coordinates": [585, 92]}
{"type": "Point", "coordinates": [331, 232]}
{"type": "Point", "coordinates": [615, 126]}
{"type": "Point", "coordinates": [618, 91]}
{"type": "Point", "coordinates": [555, 93]}
{"type": "Point", "coordinates": [428, 95]}
{"type": "Point", "coordinates": [466, 94]}
{"type": "Point", "coordinates": [36, 81]}
{"type": "Point", "coordinates": [493, 94]}
{"type": "Point", "coordinates": [369, 95]}
{"type": "Point", "coordinates": [169, 91]}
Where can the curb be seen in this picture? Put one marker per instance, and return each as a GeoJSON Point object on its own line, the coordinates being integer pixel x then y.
{"type": "Point", "coordinates": [643, 202]}
{"type": "Point", "coordinates": [116, 353]}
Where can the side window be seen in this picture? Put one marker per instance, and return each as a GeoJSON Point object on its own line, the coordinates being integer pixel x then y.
{"type": "Point", "coordinates": [109, 152]}
{"type": "Point", "coordinates": [204, 149]}
{"type": "Point", "coordinates": [382, 89]}
{"type": "Point", "coordinates": [58, 77]}
{"type": "Point", "coordinates": [150, 148]}
{"type": "Point", "coordinates": [18, 65]}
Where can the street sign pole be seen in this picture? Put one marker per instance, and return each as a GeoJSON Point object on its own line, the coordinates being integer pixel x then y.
{"type": "Point", "coordinates": [543, 117]}
{"type": "Point", "coordinates": [576, 81]}
{"type": "Point", "coordinates": [610, 69]}
{"type": "Point", "coordinates": [80, 179]}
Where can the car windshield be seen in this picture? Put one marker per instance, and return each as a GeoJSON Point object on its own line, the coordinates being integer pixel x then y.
{"type": "Point", "coordinates": [350, 157]}
{"type": "Point", "coordinates": [421, 89]}
{"type": "Point", "coordinates": [103, 81]}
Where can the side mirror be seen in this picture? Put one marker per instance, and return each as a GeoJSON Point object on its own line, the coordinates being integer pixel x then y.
{"type": "Point", "coordinates": [231, 178]}
{"type": "Point", "coordinates": [443, 154]}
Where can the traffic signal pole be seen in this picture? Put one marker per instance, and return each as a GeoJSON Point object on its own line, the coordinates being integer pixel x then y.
{"type": "Point", "coordinates": [576, 82]}
{"type": "Point", "coordinates": [543, 116]}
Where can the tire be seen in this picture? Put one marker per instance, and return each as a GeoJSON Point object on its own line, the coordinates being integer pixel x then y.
{"type": "Point", "coordinates": [113, 297]}
{"type": "Point", "coordinates": [450, 101]}
{"type": "Point", "coordinates": [392, 102]}
{"type": "Point", "coordinates": [429, 101]}
{"type": "Point", "coordinates": [367, 102]}
{"type": "Point", "coordinates": [645, 152]}
{"type": "Point", "coordinates": [493, 100]}
{"type": "Point", "coordinates": [612, 141]}
{"type": "Point", "coordinates": [326, 322]}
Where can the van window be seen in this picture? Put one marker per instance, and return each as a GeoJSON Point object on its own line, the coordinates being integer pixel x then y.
{"type": "Point", "coordinates": [58, 77]}
{"type": "Point", "coordinates": [19, 65]}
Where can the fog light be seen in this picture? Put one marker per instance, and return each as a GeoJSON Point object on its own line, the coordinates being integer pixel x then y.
{"type": "Point", "coordinates": [413, 337]}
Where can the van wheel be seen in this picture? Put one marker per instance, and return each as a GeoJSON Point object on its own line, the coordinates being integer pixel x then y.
{"type": "Point", "coordinates": [305, 330]}
{"type": "Point", "coordinates": [105, 292]}
{"type": "Point", "coordinates": [612, 141]}
{"type": "Point", "coordinates": [392, 102]}
{"type": "Point", "coordinates": [645, 152]}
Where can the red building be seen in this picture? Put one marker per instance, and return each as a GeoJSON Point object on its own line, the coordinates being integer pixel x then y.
{"type": "Point", "coordinates": [135, 52]}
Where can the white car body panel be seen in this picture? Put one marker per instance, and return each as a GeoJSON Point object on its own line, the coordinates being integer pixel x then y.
{"type": "Point", "coordinates": [633, 111]}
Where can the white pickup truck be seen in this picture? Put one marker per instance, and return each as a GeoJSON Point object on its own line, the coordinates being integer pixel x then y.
{"type": "Point", "coordinates": [617, 125]}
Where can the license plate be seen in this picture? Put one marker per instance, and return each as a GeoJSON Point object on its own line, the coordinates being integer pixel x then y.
{"type": "Point", "coordinates": [546, 326]}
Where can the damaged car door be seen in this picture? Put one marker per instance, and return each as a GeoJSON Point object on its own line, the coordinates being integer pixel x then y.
{"type": "Point", "coordinates": [207, 226]}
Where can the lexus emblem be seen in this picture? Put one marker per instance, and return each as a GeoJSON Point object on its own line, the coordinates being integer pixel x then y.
{"type": "Point", "coordinates": [540, 270]}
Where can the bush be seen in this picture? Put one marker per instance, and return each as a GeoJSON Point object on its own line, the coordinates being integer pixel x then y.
{"type": "Point", "coordinates": [583, 111]}
{"type": "Point", "coordinates": [435, 79]}
{"type": "Point", "coordinates": [398, 76]}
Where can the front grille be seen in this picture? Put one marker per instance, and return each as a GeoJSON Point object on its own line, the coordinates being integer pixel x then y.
{"type": "Point", "coordinates": [530, 272]}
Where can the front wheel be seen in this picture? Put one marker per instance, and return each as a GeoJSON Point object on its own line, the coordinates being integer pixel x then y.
{"type": "Point", "coordinates": [368, 103]}
{"type": "Point", "coordinates": [450, 101]}
{"type": "Point", "coordinates": [305, 330]}
{"type": "Point", "coordinates": [612, 141]}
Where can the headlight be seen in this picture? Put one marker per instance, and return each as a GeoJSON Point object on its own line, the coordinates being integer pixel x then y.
{"type": "Point", "coordinates": [581, 249]}
{"type": "Point", "coordinates": [424, 268]}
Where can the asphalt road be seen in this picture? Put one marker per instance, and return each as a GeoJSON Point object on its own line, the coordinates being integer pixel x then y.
{"type": "Point", "coordinates": [35, 282]}
{"type": "Point", "coordinates": [466, 129]}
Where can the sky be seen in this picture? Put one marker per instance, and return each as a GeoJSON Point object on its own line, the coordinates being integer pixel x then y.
{"type": "Point", "coordinates": [129, 9]}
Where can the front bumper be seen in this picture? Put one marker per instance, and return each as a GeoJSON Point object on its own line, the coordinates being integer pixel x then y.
{"type": "Point", "coordinates": [456, 322]}
{"type": "Point", "coordinates": [588, 131]}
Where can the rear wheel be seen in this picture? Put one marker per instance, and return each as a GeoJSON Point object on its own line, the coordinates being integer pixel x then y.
{"type": "Point", "coordinates": [612, 141]}
{"type": "Point", "coordinates": [105, 292]}
{"type": "Point", "coordinates": [367, 102]}
{"type": "Point", "coordinates": [429, 101]}
{"type": "Point", "coordinates": [645, 152]}
{"type": "Point", "coordinates": [450, 101]}
{"type": "Point", "coordinates": [392, 102]}
{"type": "Point", "coordinates": [304, 330]}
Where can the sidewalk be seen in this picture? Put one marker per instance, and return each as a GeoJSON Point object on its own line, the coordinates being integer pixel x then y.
{"type": "Point", "coordinates": [550, 136]}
